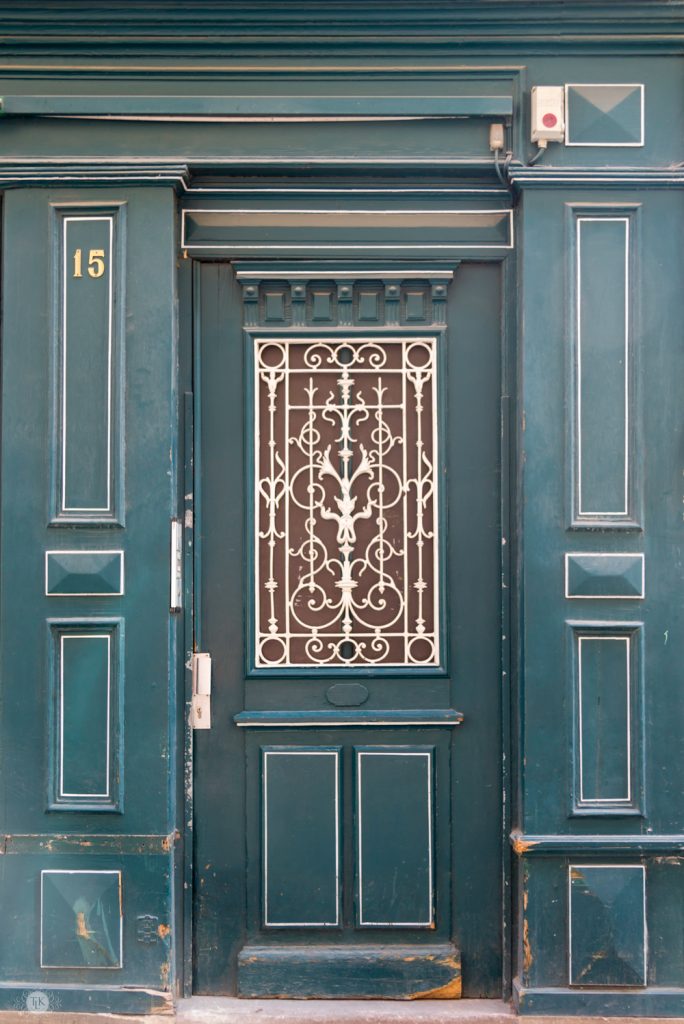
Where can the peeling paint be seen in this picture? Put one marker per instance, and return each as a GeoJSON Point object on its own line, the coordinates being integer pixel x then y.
{"type": "Point", "coordinates": [81, 926]}
{"type": "Point", "coordinates": [528, 958]}
{"type": "Point", "coordinates": [169, 840]}
{"type": "Point", "coordinates": [601, 954]}
{"type": "Point", "coordinates": [452, 990]}
{"type": "Point", "coordinates": [521, 846]}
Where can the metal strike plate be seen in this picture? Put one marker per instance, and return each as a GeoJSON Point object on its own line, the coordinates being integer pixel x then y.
{"type": "Point", "coordinates": [201, 691]}
{"type": "Point", "coordinates": [176, 553]}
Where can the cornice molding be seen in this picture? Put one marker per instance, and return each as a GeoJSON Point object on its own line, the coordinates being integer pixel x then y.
{"type": "Point", "coordinates": [281, 29]}
{"type": "Point", "coordinates": [55, 174]}
{"type": "Point", "coordinates": [587, 177]}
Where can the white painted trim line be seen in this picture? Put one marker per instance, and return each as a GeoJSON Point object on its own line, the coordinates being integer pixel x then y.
{"type": "Point", "coordinates": [608, 85]}
{"type": "Point", "coordinates": [62, 793]}
{"type": "Point", "coordinates": [411, 273]}
{"type": "Point", "coordinates": [110, 328]}
{"type": "Point", "coordinates": [370, 246]}
{"type": "Point", "coordinates": [335, 754]}
{"type": "Point", "coordinates": [605, 554]}
{"type": "Point", "coordinates": [494, 191]}
{"type": "Point", "coordinates": [89, 551]}
{"type": "Point", "coordinates": [583, 513]}
{"type": "Point", "coordinates": [343, 724]}
{"type": "Point", "coordinates": [428, 754]}
{"type": "Point", "coordinates": [61, 967]}
{"type": "Point", "coordinates": [600, 801]}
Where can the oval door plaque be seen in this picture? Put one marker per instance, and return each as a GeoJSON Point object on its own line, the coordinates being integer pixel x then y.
{"type": "Point", "coordinates": [347, 695]}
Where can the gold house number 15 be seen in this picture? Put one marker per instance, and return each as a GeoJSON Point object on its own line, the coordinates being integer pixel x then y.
{"type": "Point", "coordinates": [96, 263]}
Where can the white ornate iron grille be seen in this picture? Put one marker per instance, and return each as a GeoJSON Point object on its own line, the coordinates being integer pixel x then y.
{"type": "Point", "coordinates": [346, 505]}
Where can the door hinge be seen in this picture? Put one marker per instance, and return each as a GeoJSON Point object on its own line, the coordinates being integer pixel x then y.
{"type": "Point", "coordinates": [200, 716]}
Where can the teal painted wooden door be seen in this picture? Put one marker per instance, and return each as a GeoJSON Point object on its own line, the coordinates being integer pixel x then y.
{"type": "Point", "coordinates": [348, 829]}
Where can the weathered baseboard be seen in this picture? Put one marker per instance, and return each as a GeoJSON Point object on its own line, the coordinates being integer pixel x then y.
{"type": "Point", "coordinates": [338, 972]}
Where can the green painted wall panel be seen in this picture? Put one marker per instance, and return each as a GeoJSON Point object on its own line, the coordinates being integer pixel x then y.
{"type": "Point", "coordinates": [395, 841]}
{"type": "Point", "coordinates": [607, 925]}
{"type": "Point", "coordinates": [84, 573]}
{"type": "Point", "coordinates": [86, 362]}
{"type": "Point", "coordinates": [605, 728]}
{"type": "Point", "coordinates": [602, 354]}
{"type": "Point", "coordinates": [604, 575]}
{"type": "Point", "coordinates": [301, 837]}
{"type": "Point", "coordinates": [80, 919]}
{"type": "Point", "coordinates": [85, 676]}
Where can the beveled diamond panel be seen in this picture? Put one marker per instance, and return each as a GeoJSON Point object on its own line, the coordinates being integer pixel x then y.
{"type": "Point", "coordinates": [346, 526]}
{"type": "Point", "coordinates": [81, 921]}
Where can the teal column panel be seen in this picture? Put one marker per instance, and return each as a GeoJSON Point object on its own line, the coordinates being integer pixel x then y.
{"type": "Point", "coordinates": [64, 604]}
{"type": "Point", "coordinates": [607, 751]}
{"type": "Point", "coordinates": [395, 840]}
{"type": "Point", "coordinates": [87, 442]}
{"type": "Point", "coordinates": [607, 924]}
{"type": "Point", "coordinates": [86, 726]}
{"type": "Point", "coordinates": [603, 487]}
{"type": "Point", "coordinates": [301, 837]}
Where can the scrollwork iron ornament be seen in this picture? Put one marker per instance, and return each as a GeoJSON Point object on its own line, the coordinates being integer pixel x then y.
{"type": "Point", "coordinates": [346, 552]}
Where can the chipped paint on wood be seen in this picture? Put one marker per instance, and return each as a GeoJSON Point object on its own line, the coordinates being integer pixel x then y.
{"type": "Point", "coordinates": [452, 990]}
{"type": "Point", "coordinates": [522, 845]}
{"type": "Point", "coordinates": [527, 948]}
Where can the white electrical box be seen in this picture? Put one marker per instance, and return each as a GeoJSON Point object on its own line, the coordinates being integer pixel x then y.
{"type": "Point", "coordinates": [548, 113]}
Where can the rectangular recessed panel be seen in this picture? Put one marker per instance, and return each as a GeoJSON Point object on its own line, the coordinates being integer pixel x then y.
{"type": "Point", "coordinates": [394, 821]}
{"type": "Point", "coordinates": [86, 364]}
{"type": "Point", "coordinates": [87, 456]}
{"type": "Point", "coordinates": [608, 729]}
{"type": "Point", "coordinates": [86, 726]}
{"type": "Point", "coordinates": [346, 494]}
{"type": "Point", "coordinates": [602, 358]}
{"type": "Point", "coordinates": [604, 575]}
{"type": "Point", "coordinates": [301, 872]}
{"type": "Point", "coordinates": [604, 115]}
{"type": "Point", "coordinates": [81, 919]}
{"type": "Point", "coordinates": [84, 573]}
{"type": "Point", "coordinates": [84, 708]}
{"type": "Point", "coordinates": [607, 924]}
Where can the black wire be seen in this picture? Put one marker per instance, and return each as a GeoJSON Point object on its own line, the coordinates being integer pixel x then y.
{"type": "Point", "coordinates": [502, 175]}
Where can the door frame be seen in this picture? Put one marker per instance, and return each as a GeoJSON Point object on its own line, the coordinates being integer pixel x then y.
{"type": "Point", "coordinates": [510, 520]}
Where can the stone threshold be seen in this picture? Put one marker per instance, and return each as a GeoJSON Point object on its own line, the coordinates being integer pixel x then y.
{"type": "Point", "coordinates": [226, 1010]}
